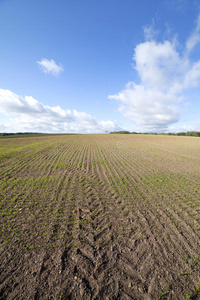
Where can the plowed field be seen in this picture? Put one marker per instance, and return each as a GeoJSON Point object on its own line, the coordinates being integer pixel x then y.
{"type": "Point", "coordinates": [100, 217]}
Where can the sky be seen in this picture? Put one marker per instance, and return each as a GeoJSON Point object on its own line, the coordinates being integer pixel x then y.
{"type": "Point", "coordinates": [96, 66]}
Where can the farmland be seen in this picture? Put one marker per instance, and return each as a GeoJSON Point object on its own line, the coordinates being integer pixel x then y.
{"type": "Point", "coordinates": [100, 217]}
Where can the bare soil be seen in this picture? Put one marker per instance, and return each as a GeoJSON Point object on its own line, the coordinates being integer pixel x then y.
{"type": "Point", "coordinates": [84, 218]}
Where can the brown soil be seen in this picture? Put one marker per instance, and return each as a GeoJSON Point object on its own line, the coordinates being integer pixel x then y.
{"type": "Point", "coordinates": [83, 218]}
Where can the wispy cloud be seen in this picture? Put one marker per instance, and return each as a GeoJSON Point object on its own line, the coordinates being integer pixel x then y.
{"type": "Point", "coordinates": [155, 102]}
{"type": "Point", "coordinates": [149, 31]}
{"type": "Point", "coordinates": [50, 67]}
{"type": "Point", "coordinates": [28, 114]}
{"type": "Point", "coordinates": [194, 39]}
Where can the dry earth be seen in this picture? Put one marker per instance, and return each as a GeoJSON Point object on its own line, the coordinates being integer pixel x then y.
{"type": "Point", "coordinates": [100, 217]}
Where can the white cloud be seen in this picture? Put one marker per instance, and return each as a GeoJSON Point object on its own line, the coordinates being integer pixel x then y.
{"type": "Point", "coordinates": [194, 39]}
{"type": "Point", "coordinates": [27, 114]}
{"type": "Point", "coordinates": [149, 31]}
{"type": "Point", "coordinates": [149, 109]}
{"type": "Point", "coordinates": [155, 102]}
{"type": "Point", "coordinates": [50, 67]}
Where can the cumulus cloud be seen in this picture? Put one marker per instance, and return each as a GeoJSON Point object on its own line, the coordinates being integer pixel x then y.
{"type": "Point", "coordinates": [28, 114]}
{"type": "Point", "coordinates": [150, 109]}
{"type": "Point", "coordinates": [155, 102]}
{"type": "Point", "coordinates": [50, 67]}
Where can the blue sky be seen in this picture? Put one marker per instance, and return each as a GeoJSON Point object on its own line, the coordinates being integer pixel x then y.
{"type": "Point", "coordinates": [97, 66]}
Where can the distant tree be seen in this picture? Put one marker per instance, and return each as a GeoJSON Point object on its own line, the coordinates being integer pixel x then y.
{"type": "Point", "coordinates": [188, 133]}
{"type": "Point", "coordinates": [121, 132]}
{"type": "Point", "coordinates": [193, 133]}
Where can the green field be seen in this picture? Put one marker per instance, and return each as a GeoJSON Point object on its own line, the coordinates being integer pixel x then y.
{"type": "Point", "coordinates": [96, 216]}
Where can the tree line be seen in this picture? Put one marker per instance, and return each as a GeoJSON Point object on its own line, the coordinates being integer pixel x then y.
{"type": "Point", "coordinates": [188, 133]}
